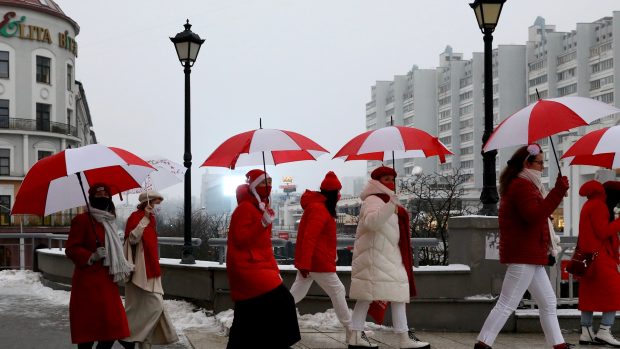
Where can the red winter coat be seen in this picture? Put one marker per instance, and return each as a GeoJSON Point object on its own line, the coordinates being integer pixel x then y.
{"type": "Point", "coordinates": [315, 249]}
{"type": "Point", "coordinates": [250, 264]}
{"type": "Point", "coordinates": [523, 222]}
{"type": "Point", "coordinates": [96, 312]}
{"type": "Point", "coordinates": [599, 289]}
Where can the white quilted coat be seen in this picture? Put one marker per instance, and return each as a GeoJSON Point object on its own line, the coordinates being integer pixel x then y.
{"type": "Point", "coordinates": [377, 271]}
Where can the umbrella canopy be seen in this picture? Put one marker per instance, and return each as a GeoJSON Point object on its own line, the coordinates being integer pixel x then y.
{"type": "Point", "coordinates": [264, 146]}
{"type": "Point", "coordinates": [52, 183]}
{"type": "Point", "coordinates": [597, 148]}
{"type": "Point", "coordinates": [398, 142]}
{"type": "Point", "coordinates": [545, 118]}
{"type": "Point", "coordinates": [167, 173]}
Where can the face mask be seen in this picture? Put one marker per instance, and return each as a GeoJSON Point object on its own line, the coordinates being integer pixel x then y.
{"type": "Point", "coordinates": [100, 203]}
{"type": "Point", "coordinates": [391, 186]}
{"type": "Point", "coordinates": [338, 197]}
{"type": "Point", "coordinates": [263, 192]}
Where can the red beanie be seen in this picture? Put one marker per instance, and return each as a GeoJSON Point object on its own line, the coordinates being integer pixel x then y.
{"type": "Point", "coordinates": [382, 171]}
{"type": "Point", "coordinates": [97, 187]}
{"type": "Point", "coordinates": [331, 182]}
{"type": "Point", "coordinates": [252, 175]}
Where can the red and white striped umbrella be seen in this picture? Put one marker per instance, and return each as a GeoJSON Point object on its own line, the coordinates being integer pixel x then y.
{"type": "Point", "coordinates": [545, 118]}
{"type": "Point", "coordinates": [264, 146]}
{"type": "Point", "coordinates": [52, 183]}
{"type": "Point", "coordinates": [398, 142]}
{"type": "Point", "coordinates": [597, 148]}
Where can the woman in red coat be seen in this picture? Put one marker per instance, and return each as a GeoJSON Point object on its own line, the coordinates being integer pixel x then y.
{"type": "Point", "coordinates": [315, 249]}
{"type": "Point", "coordinates": [599, 289]}
{"type": "Point", "coordinates": [96, 313]}
{"type": "Point", "coordinates": [526, 244]}
{"type": "Point", "coordinates": [265, 315]}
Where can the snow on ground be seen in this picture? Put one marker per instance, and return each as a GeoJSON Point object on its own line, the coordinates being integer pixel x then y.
{"type": "Point", "coordinates": [184, 315]}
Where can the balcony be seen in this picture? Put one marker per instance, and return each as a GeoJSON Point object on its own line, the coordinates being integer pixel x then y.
{"type": "Point", "coordinates": [33, 125]}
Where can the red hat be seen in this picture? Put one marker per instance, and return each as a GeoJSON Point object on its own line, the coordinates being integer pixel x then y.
{"type": "Point", "coordinates": [382, 171]}
{"type": "Point", "coordinates": [252, 175]}
{"type": "Point", "coordinates": [97, 187]}
{"type": "Point", "coordinates": [331, 182]}
{"type": "Point", "coordinates": [612, 185]}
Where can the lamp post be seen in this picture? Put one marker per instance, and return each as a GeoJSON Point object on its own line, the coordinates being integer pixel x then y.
{"type": "Point", "coordinates": [187, 45]}
{"type": "Point", "coordinates": [487, 13]}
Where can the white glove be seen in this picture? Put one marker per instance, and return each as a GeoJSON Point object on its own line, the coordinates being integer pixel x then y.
{"type": "Point", "coordinates": [99, 254]}
{"type": "Point", "coordinates": [268, 217]}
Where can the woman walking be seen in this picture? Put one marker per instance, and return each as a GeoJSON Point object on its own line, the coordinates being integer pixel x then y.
{"type": "Point", "coordinates": [315, 249]}
{"type": "Point", "coordinates": [96, 313]}
{"type": "Point", "coordinates": [264, 315]}
{"type": "Point", "coordinates": [527, 244]}
{"type": "Point", "coordinates": [599, 288]}
{"type": "Point", "coordinates": [382, 268]}
{"type": "Point", "coordinates": [148, 320]}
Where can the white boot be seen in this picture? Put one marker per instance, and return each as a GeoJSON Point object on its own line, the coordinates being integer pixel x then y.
{"type": "Point", "coordinates": [408, 340]}
{"type": "Point", "coordinates": [358, 339]}
{"type": "Point", "coordinates": [604, 336]}
{"type": "Point", "coordinates": [587, 336]}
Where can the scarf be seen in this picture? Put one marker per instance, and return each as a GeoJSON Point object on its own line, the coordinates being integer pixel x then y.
{"type": "Point", "coordinates": [535, 177]}
{"type": "Point", "coordinates": [115, 260]}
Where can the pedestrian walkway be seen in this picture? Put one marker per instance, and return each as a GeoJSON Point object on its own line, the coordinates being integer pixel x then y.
{"type": "Point", "coordinates": [311, 339]}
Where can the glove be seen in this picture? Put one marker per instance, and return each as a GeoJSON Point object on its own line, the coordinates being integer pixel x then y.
{"type": "Point", "coordinates": [304, 272]}
{"type": "Point", "coordinates": [268, 217]}
{"type": "Point", "coordinates": [98, 255]}
{"type": "Point", "coordinates": [562, 183]}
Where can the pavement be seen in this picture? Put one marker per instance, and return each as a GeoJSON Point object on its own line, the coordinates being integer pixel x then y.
{"type": "Point", "coordinates": [311, 339]}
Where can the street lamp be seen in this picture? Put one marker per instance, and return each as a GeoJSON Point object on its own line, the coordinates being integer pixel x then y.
{"type": "Point", "coordinates": [487, 13]}
{"type": "Point", "coordinates": [187, 45]}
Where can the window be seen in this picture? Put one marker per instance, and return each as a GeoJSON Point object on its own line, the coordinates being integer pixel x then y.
{"type": "Point", "coordinates": [4, 113]}
{"type": "Point", "coordinates": [603, 65]}
{"type": "Point", "coordinates": [467, 164]}
{"type": "Point", "coordinates": [444, 114]}
{"type": "Point", "coordinates": [467, 151]}
{"type": "Point", "coordinates": [466, 123]}
{"type": "Point", "coordinates": [5, 162]}
{"type": "Point", "coordinates": [4, 64]}
{"type": "Point", "coordinates": [537, 65]}
{"type": "Point", "coordinates": [43, 117]}
{"type": "Point", "coordinates": [41, 154]}
{"type": "Point", "coordinates": [566, 58]}
{"type": "Point", "coordinates": [466, 109]}
{"type": "Point", "coordinates": [465, 96]}
{"type": "Point", "coordinates": [538, 80]}
{"type": "Point", "coordinates": [5, 211]}
{"type": "Point", "coordinates": [445, 167]}
{"type": "Point", "coordinates": [446, 140]}
{"type": "Point", "coordinates": [69, 114]}
{"type": "Point", "coordinates": [566, 90]}
{"type": "Point", "coordinates": [445, 127]}
{"type": "Point", "coordinates": [605, 98]}
{"type": "Point", "coordinates": [408, 108]}
{"type": "Point", "coordinates": [466, 137]}
{"type": "Point", "coordinates": [443, 88]}
{"type": "Point", "coordinates": [464, 82]}
{"type": "Point", "coordinates": [445, 100]}
{"type": "Point", "coordinates": [596, 84]}
{"type": "Point", "coordinates": [69, 77]}
{"type": "Point", "coordinates": [44, 70]}
{"type": "Point", "coordinates": [566, 74]}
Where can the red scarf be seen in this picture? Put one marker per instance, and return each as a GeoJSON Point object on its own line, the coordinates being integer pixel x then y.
{"type": "Point", "coordinates": [149, 242]}
{"type": "Point", "coordinates": [377, 308]}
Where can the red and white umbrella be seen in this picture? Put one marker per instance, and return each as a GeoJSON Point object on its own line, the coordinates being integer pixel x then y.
{"type": "Point", "coordinates": [264, 146]}
{"type": "Point", "coordinates": [52, 184]}
{"type": "Point", "coordinates": [167, 173]}
{"type": "Point", "coordinates": [597, 148]}
{"type": "Point", "coordinates": [545, 118]}
{"type": "Point", "coordinates": [393, 142]}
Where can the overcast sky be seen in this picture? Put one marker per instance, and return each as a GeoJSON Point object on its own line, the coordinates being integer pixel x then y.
{"type": "Point", "coordinates": [301, 65]}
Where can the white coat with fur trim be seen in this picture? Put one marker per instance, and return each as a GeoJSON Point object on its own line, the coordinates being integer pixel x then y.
{"type": "Point", "coordinates": [377, 271]}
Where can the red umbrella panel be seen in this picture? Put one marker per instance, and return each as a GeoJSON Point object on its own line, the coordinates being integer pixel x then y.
{"type": "Point", "coordinates": [398, 142]}
{"type": "Point", "coordinates": [597, 148]}
{"type": "Point", "coordinates": [264, 146]}
{"type": "Point", "coordinates": [52, 184]}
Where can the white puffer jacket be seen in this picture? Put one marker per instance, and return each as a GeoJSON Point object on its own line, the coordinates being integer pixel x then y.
{"type": "Point", "coordinates": [377, 270]}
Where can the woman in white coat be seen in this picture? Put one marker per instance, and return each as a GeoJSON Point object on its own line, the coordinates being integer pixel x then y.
{"type": "Point", "coordinates": [379, 271]}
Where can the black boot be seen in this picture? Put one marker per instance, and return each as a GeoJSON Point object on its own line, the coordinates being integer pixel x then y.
{"type": "Point", "coordinates": [127, 345]}
{"type": "Point", "coordinates": [481, 345]}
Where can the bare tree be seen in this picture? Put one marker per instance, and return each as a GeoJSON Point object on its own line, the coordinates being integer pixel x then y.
{"type": "Point", "coordinates": [204, 226]}
{"type": "Point", "coordinates": [435, 198]}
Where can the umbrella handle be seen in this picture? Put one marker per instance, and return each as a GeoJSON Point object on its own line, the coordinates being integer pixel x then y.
{"type": "Point", "coordinates": [92, 222]}
{"type": "Point", "coordinates": [556, 156]}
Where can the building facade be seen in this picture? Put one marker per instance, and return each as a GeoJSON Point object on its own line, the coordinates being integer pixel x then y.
{"type": "Point", "coordinates": [43, 110]}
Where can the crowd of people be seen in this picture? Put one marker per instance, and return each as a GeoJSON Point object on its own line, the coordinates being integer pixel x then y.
{"type": "Point", "coordinates": [265, 314]}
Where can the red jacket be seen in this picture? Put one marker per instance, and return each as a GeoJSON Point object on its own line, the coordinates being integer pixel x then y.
{"type": "Point", "coordinates": [149, 242]}
{"type": "Point", "coordinates": [599, 289]}
{"type": "Point", "coordinates": [523, 222]}
{"type": "Point", "coordinates": [96, 312]}
{"type": "Point", "coordinates": [315, 249]}
{"type": "Point", "coordinates": [250, 264]}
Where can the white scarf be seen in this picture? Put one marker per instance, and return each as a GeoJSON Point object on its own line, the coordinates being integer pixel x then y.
{"type": "Point", "coordinates": [115, 260]}
{"type": "Point", "coordinates": [535, 177]}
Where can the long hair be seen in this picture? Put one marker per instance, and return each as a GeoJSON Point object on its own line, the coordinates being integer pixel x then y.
{"type": "Point", "coordinates": [332, 200]}
{"type": "Point", "coordinates": [514, 167]}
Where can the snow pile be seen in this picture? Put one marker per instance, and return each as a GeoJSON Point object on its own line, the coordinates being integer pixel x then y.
{"type": "Point", "coordinates": [184, 315]}
{"type": "Point", "coordinates": [225, 318]}
{"type": "Point", "coordinates": [27, 282]}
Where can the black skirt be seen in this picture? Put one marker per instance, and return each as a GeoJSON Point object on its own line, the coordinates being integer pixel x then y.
{"type": "Point", "coordinates": [265, 321]}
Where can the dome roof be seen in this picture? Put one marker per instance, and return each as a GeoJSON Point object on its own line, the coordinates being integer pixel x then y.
{"type": "Point", "coordinates": [45, 6]}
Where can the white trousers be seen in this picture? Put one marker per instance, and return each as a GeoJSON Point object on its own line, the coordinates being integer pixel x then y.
{"type": "Point", "coordinates": [521, 277]}
{"type": "Point", "coordinates": [331, 284]}
{"type": "Point", "coordinates": [399, 316]}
